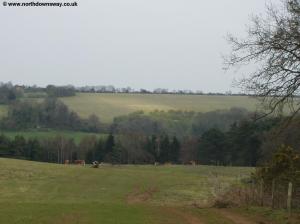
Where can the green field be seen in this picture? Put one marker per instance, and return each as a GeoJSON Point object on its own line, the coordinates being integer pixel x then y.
{"type": "Point", "coordinates": [32, 192]}
{"type": "Point", "coordinates": [108, 106]}
{"type": "Point", "coordinates": [77, 136]}
{"type": "Point", "coordinates": [3, 110]}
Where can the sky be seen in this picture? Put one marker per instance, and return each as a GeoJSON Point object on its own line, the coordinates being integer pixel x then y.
{"type": "Point", "coordinates": [173, 44]}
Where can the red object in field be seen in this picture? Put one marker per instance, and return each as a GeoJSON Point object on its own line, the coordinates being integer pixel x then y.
{"type": "Point", "coordinates": [80, 162]}
{"type": "Point", "coordinates": [67, 162]}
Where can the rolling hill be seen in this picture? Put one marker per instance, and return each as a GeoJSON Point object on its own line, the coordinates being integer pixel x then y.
{"type": "Point", "coordinates": [107, 106]}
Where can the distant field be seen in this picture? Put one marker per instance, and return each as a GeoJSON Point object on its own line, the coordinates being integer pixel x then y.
{"type": "Point", "coordinates": [32, 192]}
{"type": "Point", "coordinates": [3, 110]}
{"type": "Point", "coordinates": [77, 136]}
{"type": "Point", "coordinates": [108, 106]}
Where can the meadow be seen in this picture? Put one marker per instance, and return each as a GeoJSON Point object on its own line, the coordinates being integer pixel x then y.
{"type": "Point", "coordinates": [107, 106]}
{"type": "Point", "coordinates": [32, 192]}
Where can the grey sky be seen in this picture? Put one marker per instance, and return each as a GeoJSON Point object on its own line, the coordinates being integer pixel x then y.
{"type": "Point", "coordinates": [174, 44]}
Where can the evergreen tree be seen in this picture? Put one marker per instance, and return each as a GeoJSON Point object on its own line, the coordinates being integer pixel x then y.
{"type": "Point", "coordinates": [174, 150]}
{"type": "Point", "coordinates": [116, 157]}
{"type": "Point", "coordinates": [5, 145]}
{"type": "Point", "coordinates": [33, 150]}
{"type": "Point", "coordinates": [109, 148]}
{"type": "Point", "coordinates": [211, 147]}
{"type": "Point", "coordinates": [164, 149]}
{"type": "Point", "coordinates": [110, 143]}
{"type": "Point", "coordinates": [151, 147]}
{"type": "Point", "coordinates": [99, 151]}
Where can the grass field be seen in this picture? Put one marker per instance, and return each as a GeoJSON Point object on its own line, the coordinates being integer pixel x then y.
{"type": "Point", "coordinates": [108, 106]}
{"type": "Point", "coordinates": [32, 192]}
{"type": "Point", "coordinates": [77, 136]}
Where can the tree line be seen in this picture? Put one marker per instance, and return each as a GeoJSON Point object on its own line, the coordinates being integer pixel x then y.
{"type": "Point", "coordinates": [178, 123]}
{"type": "Point", "coordinates": [245, 143]}
{"type": "Point", "coordinates": [111, 149]}
{"type": "Point", "coordinates": [9, 93]}
{"type": "Point", "coordinates": [50, 113]}
{"type": "Point", "coordinates": [60, 91]}
{"type": "Point", "coordinates": [70, 90]}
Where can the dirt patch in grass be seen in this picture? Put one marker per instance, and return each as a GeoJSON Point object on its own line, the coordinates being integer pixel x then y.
{"type": "Point", "coordinates": [139, 195]}
{"type": "Point", "coordinates": [186, 216]}
{"type": "Point", "coordinates": [70, 218]}
{"type": "Point", "coordinates": [240, 219]}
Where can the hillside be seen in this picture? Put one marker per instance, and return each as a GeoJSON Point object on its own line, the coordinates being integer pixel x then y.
{"type": "Point", "coordinates": [107, 106]}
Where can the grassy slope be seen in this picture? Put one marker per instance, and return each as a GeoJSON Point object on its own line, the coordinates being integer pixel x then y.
{"type": "Point", "coordinates": [107, 106]}
{"type": "Point", "coordinates": [33, 192]}
{"type": "Point", "coordinates": [77, 136]}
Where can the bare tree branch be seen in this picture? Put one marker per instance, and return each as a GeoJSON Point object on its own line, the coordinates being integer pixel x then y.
{"type": "Point", "coordinates": [274, 43]}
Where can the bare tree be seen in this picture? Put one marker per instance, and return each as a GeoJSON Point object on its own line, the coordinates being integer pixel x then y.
{"type": "Point", "coordinates": [273, 43]}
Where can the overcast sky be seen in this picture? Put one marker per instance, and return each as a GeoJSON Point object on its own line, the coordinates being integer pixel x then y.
{"type": "Point", "coordinates": [174, 44]}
